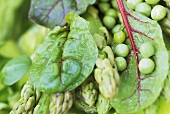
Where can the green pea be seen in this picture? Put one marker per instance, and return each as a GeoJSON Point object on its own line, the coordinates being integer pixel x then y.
{"type": "Point", "coordinates": [119, 37]}
{"type": "Point", "coordinates": [116, 28]}
{"type": "Point", "coordinates": [158, 12]}
{"type": "Point", "coordinates": [122, 50]}
{"type": "Point", "coordinates": [132, 3]}
{"type": "Point", "coordinates": [146, 65]}
{"type": "Point", "coordinates": [143, 8]}
{"type": "Point", "coordinates": [153, 2]}
{"type": "Point", "coordinates": [121, 63]}
{"type": "Point", "coordinates": [109, 21]}
{"type": "Point", "coordinates": [114, 4]}
{"type": "Point", "coordinates": [147, 49]}
{"type": "Point", "coordinates": [104, 6]}
{"type": "Point", "coordinates": [111, 12]}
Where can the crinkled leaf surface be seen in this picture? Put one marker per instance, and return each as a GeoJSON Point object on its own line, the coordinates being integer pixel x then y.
{"type": "Point", "coordinates": [51, 13]}
{"type": "Point", "coordinates": [15, 69]}
{"type": "Point", "coordinates": [66, 58]}
{"type": "Point", "coordinates": [136, 90]}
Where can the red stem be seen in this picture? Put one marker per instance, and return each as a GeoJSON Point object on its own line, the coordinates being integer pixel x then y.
{"type": "Point", "coordinates": [129, 31]}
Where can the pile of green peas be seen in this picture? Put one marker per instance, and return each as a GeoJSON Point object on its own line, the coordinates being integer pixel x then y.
{"type": "Point", "coordinates": [149, 8]}
{"type": "Point", "coordinates": [112, 20]}
{"type": "Point", "coordinates": [121, 50]}
{"type": "Point", "coordinates": [110, 12]}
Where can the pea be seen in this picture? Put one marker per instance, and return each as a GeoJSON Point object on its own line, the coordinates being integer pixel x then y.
{"type": "Point", "coordinates": [114, 4]}
{"type": "Point", "coordinates": [122, 50]}
{"type": "Point", "coordinates": [143, 8]}
{"type": "Point", "coordinates": [109, 21]}
{"type": "Point", "coordinates": [119, 37]}
{"type": "Point", "coordinates": [111, 12]}
{"type": "Point", "coordinates": [153, 2]}
{"type": "Point", "coordinates": [121, 63]}
{"type": "Point", "coordinates": [132, 3]}
{"type": "Point", "coordinates": [158, 12]}
{"type": "Point", "coordinates": [104, 6]}
{"type": "Point", "coordinates": [146, 66]}
{"type": "Point", "coordinates": [116, 28]}
{"type": "Point", "coordinates": [147, 49]}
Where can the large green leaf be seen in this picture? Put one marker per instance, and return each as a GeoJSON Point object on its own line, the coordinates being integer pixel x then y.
{"type": "Point", "coordinates": [15, 69]}
{"type": "Point", "coordinates": [66, 58]}
{"type": "Point", "coordinates": [136, 90]}
{"type": "Point", "coordinates": [51, 13]}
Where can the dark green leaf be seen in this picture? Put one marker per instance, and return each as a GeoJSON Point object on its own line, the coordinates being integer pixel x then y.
{"type": "Point", "coordinates": [51, 13]}
{"type": "Point", "coordinates": [15, 69]}
{"type": "Point", "coordinates": [136, 90]}
{"type": "Point", "coordinates": [66, 58]}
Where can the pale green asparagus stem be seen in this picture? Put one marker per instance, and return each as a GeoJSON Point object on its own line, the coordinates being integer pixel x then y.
{"type": "Point", "coordinates": [102, 105]}
{"type": "Point", "coordinates": [106, 74]}
{"type": "Point", "coordinates": [29, 97]}
{"type": "Point", "coordinates": [60, 103]}
{"type": "Point", "coordinates": [86, 95]}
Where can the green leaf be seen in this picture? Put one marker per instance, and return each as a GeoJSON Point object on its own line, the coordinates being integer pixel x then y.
{"type": "Point", "coordinates": [15, 69]}
{"type": "Point", "coordinates": [3, 62]}
{"type": "Point", "coordinates": [137, 91]}
{"type": "Point", "coordinates": [4, 106]}
{"type": "Point", "coordinates": [95, 23]}
{"type": "Point", "coordinates": [51, 13]}
{"type": "Point", "coordinates": [65, 59]}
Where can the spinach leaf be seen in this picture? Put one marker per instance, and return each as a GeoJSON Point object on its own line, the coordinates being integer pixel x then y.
{"type": "Point", "coordinates": [50, 13]}
{"type": "Point", "coordinates": [136, 90]}
{"type": "Point", "coordinates": [66, 58]}
{"type": "Point", "coordinates": [15, 69]}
